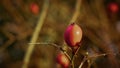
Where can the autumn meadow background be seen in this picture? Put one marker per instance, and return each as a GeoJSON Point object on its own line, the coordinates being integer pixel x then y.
{"type": "Point", "coordinates": [99, 20]}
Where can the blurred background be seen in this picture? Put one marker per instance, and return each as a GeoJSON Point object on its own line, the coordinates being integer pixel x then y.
{"type": "Point", "coordinates": [99, 20]}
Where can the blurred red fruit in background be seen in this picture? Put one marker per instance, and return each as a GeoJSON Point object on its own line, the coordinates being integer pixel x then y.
{"type": "Point", "coordinates": [34, 8]}
{"type": "Point", "coordinates": [113, 7]}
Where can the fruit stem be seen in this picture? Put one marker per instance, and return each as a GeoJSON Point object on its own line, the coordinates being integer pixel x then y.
{"type": "Point", "coordinates": [81, 64]}
{"type": "Point", "coordinates": [72, 59]}
{"type": "Point", "coordinates": [72, 62]}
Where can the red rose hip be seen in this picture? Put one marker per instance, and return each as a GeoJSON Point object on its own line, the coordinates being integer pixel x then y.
{"type": "Point", "coordinates": [73, 35]}
{"type": "Point", "coordinates": [34, 8]}
{"type": "Point", "coordinates": [113, 7]}
{"type": "Point", "coordinates": [63, 60]}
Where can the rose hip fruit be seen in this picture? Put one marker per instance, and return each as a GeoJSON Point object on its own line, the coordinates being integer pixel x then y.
{"type": "Point", "coordinates": [63, 60]}
{"type": "Point", "coordinates": [73, 35]}
{"type": "Point", "coordinates": [34, 8]}
{"type": "Point", "coordinates": [113, 7]}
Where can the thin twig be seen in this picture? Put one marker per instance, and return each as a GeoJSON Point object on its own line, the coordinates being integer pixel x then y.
{"type": "Point", "coordinates": [81, 64]}
{"type": "Point", "coordinates": [66, 54]}
{"type": "Point", "coordinates": [88, 58]}
{"type": "Point", "coordinates": [73, 56]}
{"type": "Point", "coordinates": [94, 56]}
{"type": "Point", "coordinates": [89, 63]}
{"type": "Point", "coordinates": [77, 50]}
{"type": "Point", "coordinates": [57, 46]}
{"type": "Point", "coordinates": [36, 34]}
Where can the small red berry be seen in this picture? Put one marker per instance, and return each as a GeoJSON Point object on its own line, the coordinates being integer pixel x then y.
{"type": "Point", "coordinates": [63, 60]}
{"type": "Point", "coordinates": [73, 35]}
{"type": "Point", "coordinates": [113, 7]}
{"type": "Point", "coordinates": [34, 8]}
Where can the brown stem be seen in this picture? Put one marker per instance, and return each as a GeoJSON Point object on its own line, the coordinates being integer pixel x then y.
{"type": "Point", "coordinates": [81, 64]}
{"type": "Point", "coordinates": [57, 46]}
{"type": "Point", "coordinates": [72, 59]}
{"type": "Point", "coordinates": [87, 58]}
{"type": "Point", "coordinates": [89, 63]}
{"type": "Point", "coordinates": [67, 55]}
